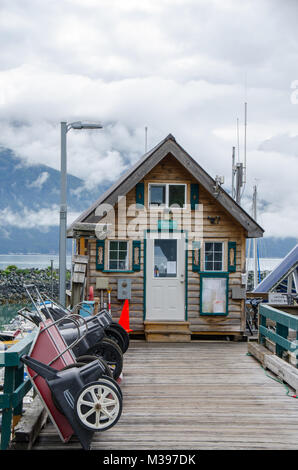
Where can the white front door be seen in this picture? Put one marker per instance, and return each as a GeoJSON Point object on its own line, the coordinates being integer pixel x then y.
{"type": "Point", "coordinates": [165, 277]}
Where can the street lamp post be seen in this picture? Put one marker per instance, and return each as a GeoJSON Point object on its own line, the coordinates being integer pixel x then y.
{"type": "Point", "coordinates": [63, 203]}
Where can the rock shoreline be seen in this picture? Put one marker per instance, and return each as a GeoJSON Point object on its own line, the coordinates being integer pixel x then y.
{"type": "Point", "coordinates": [12, 281]}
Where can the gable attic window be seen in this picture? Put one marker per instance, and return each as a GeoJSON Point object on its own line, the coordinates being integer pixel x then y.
{"type": "Point", "coordinates": [167, 195]}
{"type": "Point", "coordinates": [157, 194]}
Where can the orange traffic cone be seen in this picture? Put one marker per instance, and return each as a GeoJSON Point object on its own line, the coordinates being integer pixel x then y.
{"type": "Point", "coordinates": [91, 293]}
{"type": "Point", "coordinates": [124, 318]}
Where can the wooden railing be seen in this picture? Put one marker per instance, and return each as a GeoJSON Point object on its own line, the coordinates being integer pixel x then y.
{"type": "Point", "coordinates": [275, 324]}
{"type": "Point", "coordinates": [15, 387]}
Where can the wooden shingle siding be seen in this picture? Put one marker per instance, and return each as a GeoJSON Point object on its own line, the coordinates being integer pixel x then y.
{"type": "Point", "coordinates": [227, 230]}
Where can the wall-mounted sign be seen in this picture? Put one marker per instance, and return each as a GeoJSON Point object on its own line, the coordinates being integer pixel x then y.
{"type": "Point", "coordinates": [277, 298]}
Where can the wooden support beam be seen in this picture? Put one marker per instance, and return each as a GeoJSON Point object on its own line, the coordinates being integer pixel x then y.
{"type": "Point", "coordinates": [29, 426]}
{"type": "Point", "coordinates": [284, 371]}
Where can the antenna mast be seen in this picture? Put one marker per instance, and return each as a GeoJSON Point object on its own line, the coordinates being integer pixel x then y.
{"type": "Point", "coordinates": [245, 126]}
{"type": "Point", "coordinates": [146, 131]}
{"type": "Point", "coordinates": [238, 145]}
{"type": "Point", "coordinates": [233, 173]}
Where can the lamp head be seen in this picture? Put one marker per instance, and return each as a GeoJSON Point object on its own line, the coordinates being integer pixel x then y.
{"type": "Point", "coordinates": [85, 125]}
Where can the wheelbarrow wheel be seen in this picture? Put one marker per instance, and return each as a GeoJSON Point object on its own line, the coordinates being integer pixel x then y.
{"type": "Point", "coordinates": [110, 352]}
{"type": "Point", "coordinates": [82, 361]}
{"type": "Point", "coordinates": [113, 383]}
{"type": "Point", "coordinates": [98, 406]}
{"type": "Point", "coordinates": [114, 335]}
{"type": "Point", "coordinates": [123, 332]}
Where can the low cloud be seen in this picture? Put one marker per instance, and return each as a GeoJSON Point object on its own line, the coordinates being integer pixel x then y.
{"type": "Point", "coordinates": [40, 180]}
{"type": "Point", "coordinates": [29, 219]}
{"type": "Point", "coordinates": [184, 67]}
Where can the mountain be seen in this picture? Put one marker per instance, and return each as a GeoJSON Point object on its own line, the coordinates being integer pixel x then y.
{"type": "Point", "coordinates": [270, 247]}
{"type": "Point", "coordinates": [29, 208]}
{"type": "Point", "coordinates": [29, 204]}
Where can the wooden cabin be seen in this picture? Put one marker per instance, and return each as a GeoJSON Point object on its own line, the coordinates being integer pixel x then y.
{"type": "Point", "coordinates": [168, 238]}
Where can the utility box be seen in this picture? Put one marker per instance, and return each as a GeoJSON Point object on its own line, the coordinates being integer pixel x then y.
{"type": "Point", "coordinates": [102, 283]}
{"type": "Point", "coordinates": [238, 293]}
{"type": "Point", "coordinates": [124, 289]}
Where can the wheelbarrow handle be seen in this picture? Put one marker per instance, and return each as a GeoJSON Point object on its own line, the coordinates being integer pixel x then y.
{"type": "Point", "coordinates": [41, 369]}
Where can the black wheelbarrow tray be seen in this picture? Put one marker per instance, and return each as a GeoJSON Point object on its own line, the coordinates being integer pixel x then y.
{"type": "Point", "coordinates": [79, 400]}
{"type": "Point", "coordinates": [50, 308]}
{"type": "Point", "coordinates": [111, 329]}
{"type": "Point", "coordinates": [86, 338]}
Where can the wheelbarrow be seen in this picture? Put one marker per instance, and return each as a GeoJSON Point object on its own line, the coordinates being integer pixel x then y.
{"type": "Point", "coordinates": [86, 340]}
{"type": "Point", "coordinates": [113, 330]}
{"type": "Point", "coordinates": [53, 309]}
{"type": "Point", "coordinates": [93, 341]}
{"type": "Point", "coordinates": [80, 399]}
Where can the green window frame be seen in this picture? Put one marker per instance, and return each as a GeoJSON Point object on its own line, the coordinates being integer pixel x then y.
{"type": "Point", "coordinates": [214, 310]}
{"type": "Point", "coordinates": [140, 194]}
{"type": "Point", "coordinates": [194, 196]}
{"type": "Point", "coordinates": [196, 256]}
{"type": "Point", "coordinates": [136, 255]}
{"type": "Point", "coordinates": [100, 255]}
{"type": "Point", "coordinates": [231, 257]}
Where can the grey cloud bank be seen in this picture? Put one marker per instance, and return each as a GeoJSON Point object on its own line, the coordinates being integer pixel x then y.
{"type": "Point", "coordinates": [184, 67]}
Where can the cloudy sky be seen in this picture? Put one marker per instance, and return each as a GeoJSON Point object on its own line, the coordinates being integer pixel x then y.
{"type": "Point", "coordinates": [184, 67]}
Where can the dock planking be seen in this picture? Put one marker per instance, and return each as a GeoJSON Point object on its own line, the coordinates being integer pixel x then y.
{"type": "Point", "coordinates": [198, 395]}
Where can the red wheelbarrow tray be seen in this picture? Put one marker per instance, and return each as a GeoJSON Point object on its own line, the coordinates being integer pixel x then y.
{"type": "Point", "coordinates": [49, 344]}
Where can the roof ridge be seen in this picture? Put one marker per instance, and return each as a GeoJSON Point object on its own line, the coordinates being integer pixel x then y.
{"type": "Point", "coordinates": [156, 154]}
{"type": "Point", "coordinates": [170, 137]}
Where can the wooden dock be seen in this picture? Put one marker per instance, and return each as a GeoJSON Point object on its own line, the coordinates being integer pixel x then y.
{"type": "Point", "coordinates": [198, 395]}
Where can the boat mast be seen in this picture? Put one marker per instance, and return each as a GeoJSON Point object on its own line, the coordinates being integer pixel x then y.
{"type": "Point", "coordinates": [254, 199]}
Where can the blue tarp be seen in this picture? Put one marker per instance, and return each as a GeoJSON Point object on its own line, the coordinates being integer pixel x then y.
{"type": "Point", "coordinates": [286, 266]}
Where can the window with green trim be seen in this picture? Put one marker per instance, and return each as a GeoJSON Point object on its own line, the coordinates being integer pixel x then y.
{"type": "Point", "coordinates": [213, 256]}
{"type": "Point", "coordinates": [214, 294]}
{"type": "Point", "coordinates": [118, 255]}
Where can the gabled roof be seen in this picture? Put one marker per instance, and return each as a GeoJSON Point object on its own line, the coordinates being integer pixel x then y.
{"type": "Point", "coordinates": [138, 171]}
{"type": "Point", "coordinates": [286, 267]}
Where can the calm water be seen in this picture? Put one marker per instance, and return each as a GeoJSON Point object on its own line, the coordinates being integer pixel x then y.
{"type": "Point", "coordinates": [43, 261]}
{"type": "Point", "coordinates": [31, 261]}
{"type": "Point", "coordinates": [8, 311]}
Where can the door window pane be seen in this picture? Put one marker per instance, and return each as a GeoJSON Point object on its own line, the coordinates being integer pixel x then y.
{"type": "Point", "coordinates": [165, 258]}
{"type": "Point", "coordinates": [176, 195]}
